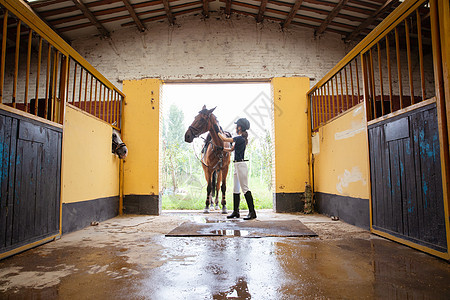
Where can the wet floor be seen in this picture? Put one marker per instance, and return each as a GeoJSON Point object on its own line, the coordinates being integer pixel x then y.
{"type": "Point", "coordinates": [130, 258]}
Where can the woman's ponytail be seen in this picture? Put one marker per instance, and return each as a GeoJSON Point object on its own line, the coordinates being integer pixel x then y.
{"type": "Point", "coordinates": [244, 134]}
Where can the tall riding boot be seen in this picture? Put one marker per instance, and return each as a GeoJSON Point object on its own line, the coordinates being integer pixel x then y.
{"type": "Point", "coordinates": [236, 200]}
{"type": "Point", "coordinates": [251, 206]}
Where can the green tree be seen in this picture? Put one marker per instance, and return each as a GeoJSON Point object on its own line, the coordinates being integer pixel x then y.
{"type": "Point", "coordinates": [174, 146]}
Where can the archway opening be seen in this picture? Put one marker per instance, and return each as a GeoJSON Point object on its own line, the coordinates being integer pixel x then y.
{"type": "Point", "coordinates": [181, 177]}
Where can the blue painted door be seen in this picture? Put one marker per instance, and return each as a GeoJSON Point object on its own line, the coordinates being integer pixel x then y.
{"type": "Point", "coordinates": [407, 198]}
{"type": "Point", "coordinates": [30, 156]}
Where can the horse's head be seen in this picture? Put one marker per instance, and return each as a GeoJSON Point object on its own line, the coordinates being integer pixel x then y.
{"type": "Point", "coordinates": [118, 147]}
{"type": "Point", "coordinates": [201, 124]}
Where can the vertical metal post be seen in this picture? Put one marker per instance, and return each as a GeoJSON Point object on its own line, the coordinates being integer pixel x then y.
{"type": "Point", "coordinates": [85, 91]}
{"type": "Point", "coordinates": [109, 105]}
{"type": "Point", "coordinates": [36, 97]}
{"type": "Point", "coordinates": [100, 102]}
{"type": "Point", "coordinates": [81, 87]}
{"type": "Point", "coordinates": [331, 99]}
{"type": "Point", "coordinates": [27, 76]}
{"type": "Point", "coordinates": [332, 96]}
{"type": "Point", "coordinates": [337, 95]}
{"type": "Point", "coordinates": [351, 83]}
{"type": "Point", "coordinates": [372, 84]}
{"type": "Point", "coordinates": [64, 76]}
{"type": "Point", "coordinates": [388, 58]}
{"type": "Point", "coordinates": [346, 88]}
{"type": "Point", "coordinates": [357, 80]}
{"type": "Point", "coordinates": [90, 95]}
{"type": "Point", "coordinates": [365, 77]}
{"type": "Point", "coordinates": [420, 44]}
{"type": "Point", "coordinates": [380, 70]}
{"type": "Point", "coordinates": [47, 83]}
{"type": "Point", "coordinates": [410, 71]}
{"type": "Point", "coordinates": [95, 98]}
{"type": "Point", "coordinates": [16, 64]}
{"type": "Point", "coordinates": [74, 82]}
{"type": "Point", "coordinates": [342, 91]}
{"type": "Point", "coordinates": [399, 67]}
{"type": "Point", "coordinates": [68, 80]}
{"type": "Point", "coordinates": [3, 58]}
{"type": "Point", "coordinates": [54, 98]}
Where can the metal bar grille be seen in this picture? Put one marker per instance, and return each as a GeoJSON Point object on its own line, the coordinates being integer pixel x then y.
{"type": "Point", "coordinates": [41, 83]}
{"type": "Point", "coordinates": [396, 63]}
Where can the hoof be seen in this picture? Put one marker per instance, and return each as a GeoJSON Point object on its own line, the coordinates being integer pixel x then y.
{"type": "Point", "coordinates": [224, 210]}
{"type": "Point", "coordinates": [217, 207]}
{"type": "Point", "coordinates": [206, 210]}
{"type": "Point", "coordinates": [211, 208]}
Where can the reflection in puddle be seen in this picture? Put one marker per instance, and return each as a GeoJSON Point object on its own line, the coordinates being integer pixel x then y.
{"type": "Point", "coordinates": [231, 232]}
{"type": "Point", "coordinates": [238, 291]}
{"type": "Point", "coordinates": [204, 220]}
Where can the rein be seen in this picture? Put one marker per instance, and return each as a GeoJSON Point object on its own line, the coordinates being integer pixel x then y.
{"type": "Point", "coordinates": [196, 134]}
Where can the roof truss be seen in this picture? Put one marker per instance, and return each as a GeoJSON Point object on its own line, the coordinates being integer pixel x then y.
{"type": "Point", "coordinates": [350, 18]}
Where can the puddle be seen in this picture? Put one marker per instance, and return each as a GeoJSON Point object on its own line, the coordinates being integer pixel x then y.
{"type": "Point", "coordinates": [230, 232]}
{"type": "Point", "coordinates": [204, 220]}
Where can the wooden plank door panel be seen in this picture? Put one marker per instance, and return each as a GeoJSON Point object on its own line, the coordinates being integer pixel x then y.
{"type": "Point", "coordinates": [30, 176]}
{"type": "Point", "coordinates": [407, 198]}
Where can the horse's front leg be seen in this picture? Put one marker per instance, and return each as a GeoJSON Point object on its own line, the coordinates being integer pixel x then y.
{"type": "Point", "coordinates": [208, 197]}
{"type": "Point", "coordinates": [208, 189]}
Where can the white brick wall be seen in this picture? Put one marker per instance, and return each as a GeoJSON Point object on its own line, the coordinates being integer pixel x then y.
{"type": "Point", "coordinates": [216, 48]}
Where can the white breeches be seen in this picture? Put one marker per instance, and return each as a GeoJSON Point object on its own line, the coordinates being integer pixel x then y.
{"type": "Point", "coordinates": [240, 177]}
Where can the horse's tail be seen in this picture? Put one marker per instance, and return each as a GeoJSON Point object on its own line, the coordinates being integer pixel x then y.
{"type": "Point", "coordinates": [214, 179]}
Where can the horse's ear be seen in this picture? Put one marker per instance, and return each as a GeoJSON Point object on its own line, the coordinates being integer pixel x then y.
{"type": "Point", "coordinates": [211, 110]}
{"type": "Point", "coordinates": [204, 107]}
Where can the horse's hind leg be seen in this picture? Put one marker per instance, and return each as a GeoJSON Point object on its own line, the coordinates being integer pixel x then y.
{"type": "Point", "coordinates": [224, 189]}
{"type": "Point", "coordinates": [218, 181]}
{"type": "Point", "coordinates": [208, 198]}
{"type": "Point", "coordinates": [224, 202]}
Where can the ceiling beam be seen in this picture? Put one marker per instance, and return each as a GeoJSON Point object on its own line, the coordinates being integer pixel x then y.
{"type": "Point", "coordinates": [169, 14]}
{"type": "Point", "coordinates": [134, 15]}
{"type": "Point", "coordinates": [228, 8]}
{"type": "Point", "coordinates": [330, 17]}
{"type": "Point", "coordinates": [306, 8]}
{"type": "Point", "coordinates": [48, 24]}
{"type": "Point", "coordinates": [262, 10]}
{"type": "Point", "coordinates": [365, 4]}
{"type": "Point", "coordinates": [369, 21]}
{"type": "Point", "coordinates": [44, 3]}
{"type": "Point", "coordinates": [88, 14]}
{"type": "Point", "coordinates": [205, 10]}
{"type": "Point", "coordinates": [240, 12]}
{"type": "Point", "coordinates": [292, 13]}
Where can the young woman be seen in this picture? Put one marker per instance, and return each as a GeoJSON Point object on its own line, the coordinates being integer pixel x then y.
{"type": "Point", "coordinates": [240, 169]}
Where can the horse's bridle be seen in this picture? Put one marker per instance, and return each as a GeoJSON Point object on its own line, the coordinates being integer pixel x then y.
{"type": "Point", "coordinates": [118, 146]}
{"type": "Point", "coordinates": [194, 130]}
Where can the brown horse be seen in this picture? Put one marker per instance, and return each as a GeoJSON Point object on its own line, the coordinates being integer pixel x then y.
{"type": "Point", "coordinates": [214, 158]}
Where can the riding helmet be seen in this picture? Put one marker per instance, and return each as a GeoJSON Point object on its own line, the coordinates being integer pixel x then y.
{"type": "Point", "coordinates": [244, 123]}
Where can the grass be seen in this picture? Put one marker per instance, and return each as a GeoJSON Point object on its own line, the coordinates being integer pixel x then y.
{"type": "Point", "coordinates": [196, 197]}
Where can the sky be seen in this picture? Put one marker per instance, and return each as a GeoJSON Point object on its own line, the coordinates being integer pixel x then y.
{"type": "Point", "coordinates": [233, 101]}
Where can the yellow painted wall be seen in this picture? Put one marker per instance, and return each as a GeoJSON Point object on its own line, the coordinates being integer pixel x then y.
{"type": "Point", "coordinates": [341, 156]}
{"type": "Point", "coordinates": [141, 134]}
{"type": "Point", "coordinates": [291, 134]}
{"type": "Point", "coordinates": [90, 171]}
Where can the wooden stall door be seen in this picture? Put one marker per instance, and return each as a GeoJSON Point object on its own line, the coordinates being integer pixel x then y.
{"type": "Point", "coordinates": [30, 156]}
{"type": "Point", "coordinates": [407, 197]}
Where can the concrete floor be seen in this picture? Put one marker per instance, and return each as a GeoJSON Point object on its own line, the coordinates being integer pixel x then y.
{"type": "Point", "coordinates": [130, 258]}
